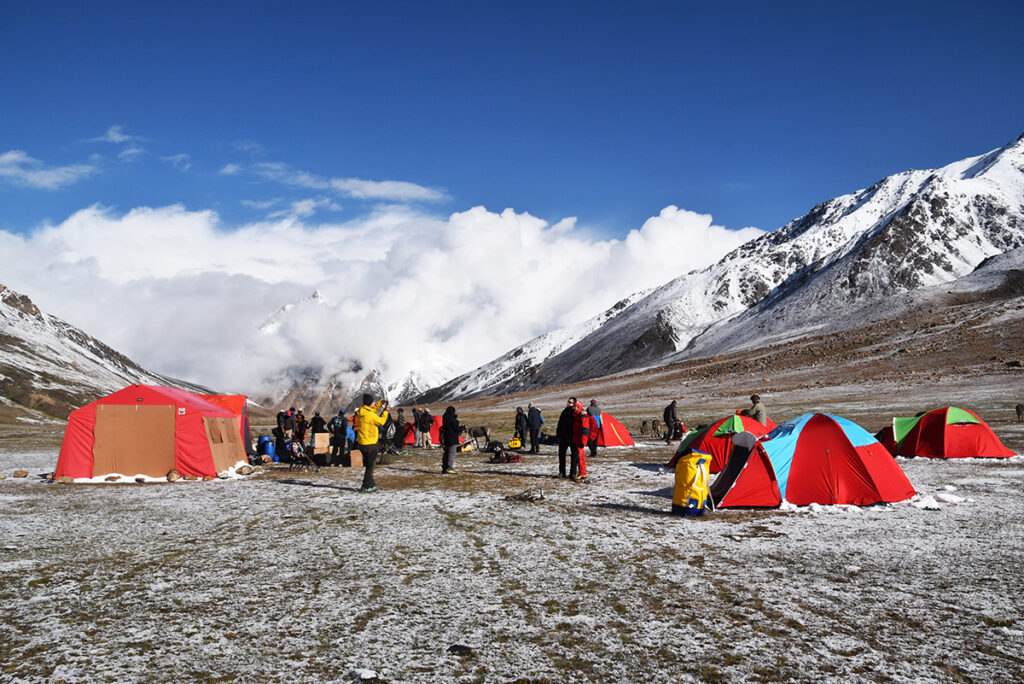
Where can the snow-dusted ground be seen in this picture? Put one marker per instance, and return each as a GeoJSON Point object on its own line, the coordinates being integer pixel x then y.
{"type": "Point", "coordinates": [289, 577]}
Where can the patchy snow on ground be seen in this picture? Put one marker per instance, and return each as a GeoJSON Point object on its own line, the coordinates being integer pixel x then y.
{"type": "Point", "coordinates": [299, 577]}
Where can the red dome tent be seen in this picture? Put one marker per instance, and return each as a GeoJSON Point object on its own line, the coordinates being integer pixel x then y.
{"type": "Point", "coordinates": [816, 458]}
{"type": "Point", "coordinates": [149, 430]}
{"type": "Point", "coordinates": [716, 440]}
{"type": "Point", "coordinates": [947, 432]}
{"type": "Point", "coordinates": [612, 433]}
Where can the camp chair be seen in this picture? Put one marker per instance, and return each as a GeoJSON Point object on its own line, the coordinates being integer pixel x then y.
{"type": "Point", "coordinates": [300, 459]}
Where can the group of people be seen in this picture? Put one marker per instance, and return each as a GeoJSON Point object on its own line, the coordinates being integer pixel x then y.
{"type": "Point", "coordinates": [577, 432]}
{"type": "Point", "coordinates": [371, 416]}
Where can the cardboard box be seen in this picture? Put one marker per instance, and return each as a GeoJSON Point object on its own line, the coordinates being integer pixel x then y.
{"type": "Point", "coordinates": [357, 458]}
{"type": "Point", "coordinates": [321, 443]}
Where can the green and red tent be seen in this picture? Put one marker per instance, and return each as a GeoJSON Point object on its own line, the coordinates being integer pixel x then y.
{"type": "Point", "coordinates": [947, 432]}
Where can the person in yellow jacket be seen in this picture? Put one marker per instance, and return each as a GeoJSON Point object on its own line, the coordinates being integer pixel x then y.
{"type": "Point", "coordinates": [369, 417]}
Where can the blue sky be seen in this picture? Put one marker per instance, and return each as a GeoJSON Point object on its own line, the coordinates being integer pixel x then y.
{"type": "Point", "coordinates": [751, 112]}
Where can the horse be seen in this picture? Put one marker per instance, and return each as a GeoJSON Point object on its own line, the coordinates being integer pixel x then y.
{"type": "Point", "coordinates": [656, 428]}
{"type": "Point", "coordinates": [478, 431]}
{"type": "Point", "coordinates": [644, 430]}
{"type": "Point", "coordinates": [1020, 413]}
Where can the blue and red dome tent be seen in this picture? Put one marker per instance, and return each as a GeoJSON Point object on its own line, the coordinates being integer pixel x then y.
{"type": "Point", "coordinates": [816, 458]}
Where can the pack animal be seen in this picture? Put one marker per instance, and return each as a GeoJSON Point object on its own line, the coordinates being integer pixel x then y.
{"type": "Point", "coordinates": [477, 432]}
{"type": "Point", "coordinates": [1020, 413]}
{"type": "Point", "coordinates": [656, 428]}
{"type": "Point", "coordinates": [644, 429]}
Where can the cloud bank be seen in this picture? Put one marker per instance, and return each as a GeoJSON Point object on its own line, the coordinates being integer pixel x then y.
{"type": "Point", "coordinates": [402, 290]}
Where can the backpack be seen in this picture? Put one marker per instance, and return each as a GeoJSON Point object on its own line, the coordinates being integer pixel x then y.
{"type": "Point", "coordinates": [504, 457]}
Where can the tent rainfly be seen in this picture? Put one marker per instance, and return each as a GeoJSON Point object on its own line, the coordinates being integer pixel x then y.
{"type": "Point", "coordinates": [947, 432]}
{"type": "Point", "coordinates": [150, 430]}
{"type": "Point", "coordinates": [716, 440]}
{"type": "Point", "coordinates": [816, 458]}
{"type": "Point", "coordinates": [612, 433]}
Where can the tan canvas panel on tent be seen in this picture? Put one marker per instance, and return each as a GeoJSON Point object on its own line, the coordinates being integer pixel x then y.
{"type": "Point", "coordinates": [225, 442]}
{"type": "Point", "coordinates": [134, 440]}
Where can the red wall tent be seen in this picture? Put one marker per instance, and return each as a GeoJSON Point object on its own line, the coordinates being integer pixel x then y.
{"type": "Point", "coordinates": [149, 430]}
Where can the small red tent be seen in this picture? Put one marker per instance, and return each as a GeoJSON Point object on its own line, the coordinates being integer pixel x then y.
{"type": "Point", "coordinates": [716, 440]}
{"type": "Point", "coordinates": [149, 430]}
{"type": "Point", "coordinates": [947, 432]}
{"type": "Point", "coordinates": [612, 433]}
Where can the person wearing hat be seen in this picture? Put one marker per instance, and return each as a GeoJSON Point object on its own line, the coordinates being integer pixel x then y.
{"type": "Point", "coordinates": [520, 426]}
{"type": "Point", "coordinates": [756, 410]}
{"type": "Point", "coordinates": [338, 427]}
{"type": "Point", "coordinates": [317, 423]}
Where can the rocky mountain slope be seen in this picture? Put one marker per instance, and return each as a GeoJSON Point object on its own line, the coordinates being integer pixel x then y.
{"type": "Point", "coordinates": [905, 232]}
{"type": "Point", "coordinates": [49, 366]}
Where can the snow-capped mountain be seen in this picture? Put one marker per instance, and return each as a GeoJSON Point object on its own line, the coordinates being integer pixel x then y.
{"type": "Point", "coordinates": [50, 366]}
{"type": "Point", "coordinates": [906, 231]}
{"type": "Point", "coordinates": [318, 386]}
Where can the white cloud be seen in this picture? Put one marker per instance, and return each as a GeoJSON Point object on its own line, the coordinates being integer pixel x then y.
{"type": "Point", "coordinates": [18, 168]}
{"type": "Point", "coordinates": [230, 170]}
{"type": "Point", "coordinates": [404, 288]}
{"type": "Point", "coordinates": [357, 188]}
{"type": "Point", "coordinates": [183, 162]}
{"type": "Point", "coordinates": [116, 134]}
{"type": "Point", "coordinates": [306, 207]}
{"type": "Point", "coordinates": [260, 204]}
{"type": "Point", "coordinates": [130, 152]}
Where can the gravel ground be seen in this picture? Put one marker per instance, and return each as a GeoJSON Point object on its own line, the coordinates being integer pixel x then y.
{"type": "Point", "coordinates": [298, 577]}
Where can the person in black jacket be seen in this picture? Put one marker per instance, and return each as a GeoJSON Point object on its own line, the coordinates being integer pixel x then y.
{"type": "Point", "coordinates": [317, 424]}
{"type": "Point", "coordinates": [338, 428]}
{"type": "Point", "coordinates": [534, 421]}
{"type": "Point", "coordinates": [564, 433]}
{"type": "Point", "coordinates": [670, 418]}
{"type": "Point", "coordinates": [520, 428]}
{"type": "Point", "coordinates": [449, 440]}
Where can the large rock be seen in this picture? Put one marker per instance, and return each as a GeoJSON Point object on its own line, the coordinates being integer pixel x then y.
{"type": "Point", "coordinates": [20, 473]}
{"type": "Point", "coordinates": [245, 470]}
{"type": "Point", "coordinates": [173, 475]}
{"type": "Point", "coordinates": [65, 479]}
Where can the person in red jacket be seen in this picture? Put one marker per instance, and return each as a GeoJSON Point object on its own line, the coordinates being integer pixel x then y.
{"type": "Point", "coordinates": [582, 426]}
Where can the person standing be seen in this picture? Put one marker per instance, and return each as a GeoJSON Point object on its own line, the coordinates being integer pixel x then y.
{"type": "Point", "coordinates": [582, 427]}
{"type": "Point", "coordinates": [671, 418]}
{"type": "Point", "coordinates": [756, 410]}
{"type": "Point", "coordinates": [595, 412]}
{"type": "Point", "coordinates": [317, 424]}
{"type": "Point", "coordinates": [449, 440]}
{"type": "Point", "coordinates": [301, 425]}
{"type": "Point", "coordinates": [338, 427]}
{"type": "Point", "coordinates": [564, 432]}
{"type": "Point", "coordinates": [426, 421]}
{"type": "Point", "coordinates": [288, 424]}
{"type": "Point", "coordinates": [520, 426]}
{"type": "Point", "coordinates": [534, 421]}
{"type": "Point", "coordinates": [369, 417]}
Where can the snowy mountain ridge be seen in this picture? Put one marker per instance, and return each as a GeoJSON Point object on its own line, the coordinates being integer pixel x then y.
{"type": "Point", "coordinates": [49, 365]}
{"type": "Point", "coordinates": [907, 231]}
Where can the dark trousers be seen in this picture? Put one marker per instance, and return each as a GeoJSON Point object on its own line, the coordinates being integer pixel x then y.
{"type": "Point", "coordinates": [369, 460]}
{"type": "Point", "coordinates": [448, 457]}
{"type": "Point", "coordinates": [339, 452]}
{"type": "Point", "coordinates": [518, 432]}
{"type": "Point", "coordinates": [593, 448]}
{"type": "Point", "coordinates": [534, 441]}
{"type": "Point", "coordinates": [563, 446]}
